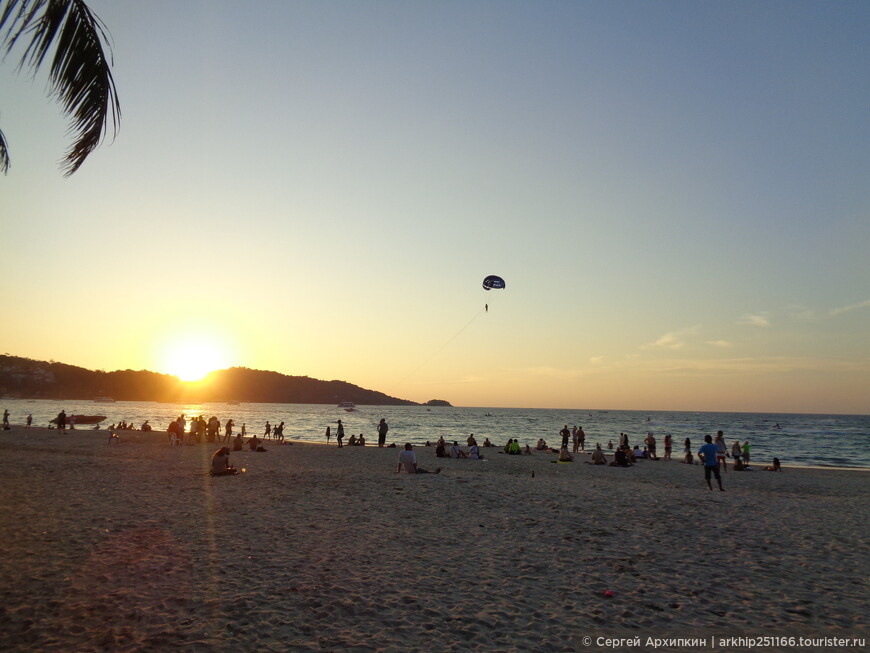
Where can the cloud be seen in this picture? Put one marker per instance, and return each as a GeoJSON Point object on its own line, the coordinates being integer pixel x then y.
{"type": "Point", "coordinates": [673, 339]}
{"type": "Point", "coordinates": [754, 320]}
{"type": "Point", "coordinates": [851, 307]}
{"type": "Point", "coordinates": [800, 312]}
{"type": "Point", "coordinates": [719, 343]}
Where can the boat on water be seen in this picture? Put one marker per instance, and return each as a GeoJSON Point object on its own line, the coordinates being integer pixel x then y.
{"type": "Point", "coordinates": [104, 400]}
{"type": "Point", "coordinates": [82, 419]}
{"type": "Point", "coordinates": [349, 406]}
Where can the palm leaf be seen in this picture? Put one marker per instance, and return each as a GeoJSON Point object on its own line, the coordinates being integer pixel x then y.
{"type": "Point", "coordinates": [4, 155]}
{"type": "Point", "coordinates": [80, 75]}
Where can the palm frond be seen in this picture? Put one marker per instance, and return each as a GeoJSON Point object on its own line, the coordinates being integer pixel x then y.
{"type": "Point", "coordinates": [4, 154]}
{"type": "Point", "coordinates": [80, 74]}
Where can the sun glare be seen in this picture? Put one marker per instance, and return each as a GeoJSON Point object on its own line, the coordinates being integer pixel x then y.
{"type": "Point", "coordinates": [191, 361]}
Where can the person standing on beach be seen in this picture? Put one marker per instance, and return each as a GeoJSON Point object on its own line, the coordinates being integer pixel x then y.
{"type": "Point", "coordinates": [61, 421]}
{"type": "Point", "coordinates": [382, 432]}
{"type": "Point", "coordinates": [651, 445]}
{"type": "Point", "coordinates": [736, 451]}
{"type": "Point", "coordinates": [6, 426]}
{"type": "Point", "coordinates": [746, 453]}
{"type": "Point", "coordinates": [29, 421]}
{"type": "Point", "coordinates": [268, 432]}
{"type": "Point", "coordinates": [669, 443]}
{"type": "Point", "coordinates": [709, 454]}
{"type": "Point", "coordinates": [721, 450]}
{"type": "Point", "coordinates": [339, 434]}
{"type": "Point", "coordinates": [565, 433]}
{"type": "Point", "coordinates": [581, 438]}
{"type": "Point", "coordinates": [328, 434]}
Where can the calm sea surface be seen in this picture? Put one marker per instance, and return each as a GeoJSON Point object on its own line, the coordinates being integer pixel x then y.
{"type": "Point", "coordinates": [823, 440]}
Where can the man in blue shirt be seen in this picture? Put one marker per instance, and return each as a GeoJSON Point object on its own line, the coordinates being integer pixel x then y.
{"type": "Point", "coordinates": [707, 453]}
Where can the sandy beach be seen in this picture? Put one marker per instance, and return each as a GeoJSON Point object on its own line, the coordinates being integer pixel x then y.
{"type": "Point", "coordinates": [132, 546]}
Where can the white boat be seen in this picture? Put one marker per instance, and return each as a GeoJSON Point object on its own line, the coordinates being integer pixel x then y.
{"type": "Point", "coordinates": [349, 406]}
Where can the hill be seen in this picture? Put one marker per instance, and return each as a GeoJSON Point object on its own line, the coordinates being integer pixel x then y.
{"type": "Point", "coordinates": [31, 379]}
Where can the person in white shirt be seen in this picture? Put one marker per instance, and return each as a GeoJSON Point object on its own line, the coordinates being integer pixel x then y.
{"type": "Point", "coordinates": [408, 462]}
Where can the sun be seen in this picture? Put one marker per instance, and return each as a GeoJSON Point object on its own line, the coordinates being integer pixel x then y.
{"type": "Point", "coordinates": [193, 360]}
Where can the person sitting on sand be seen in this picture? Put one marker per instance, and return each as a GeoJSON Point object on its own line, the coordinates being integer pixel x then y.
{"type": "Point", "coordinates": [620, 459]}
{"type": "Point", "coordinates": [638, 453]}
{"type": "Point", "coordinates": [441, 442]}
{"type": "Point", "coordinates": [471, 441]}
{"type": "Point", "coordinates": [739, 466]}
{"type": "Point", "coordinates": [598, 456]}
{"type": "Point", "coordinates": [775, 467]}
{"type": "Point", "coordinates": [507, 447]}
{"type": "Point", "coordinates": [487, 443]}
{"type": "Point", "coordinates": [515, 448]}
{"type": "Point", "coordinates": [256, 444]}
{"type": "Point", "coordinates": [527, 451]}
{"type": "Point", "coordinates": [408, 462]}
{"type": "Point", "coordinates": [542, 445]}
{"type": "Point", "coordinates": [352, 441]}
{"type": "Point", "coordinates": [238, 443]}
{"type": "Point", "coordinates": [688, 459]}
{"type": "Point", "coordinates": [565, 455]}
{"type": "Point", "coordinates": [456, 451]}
{"type": "Point", "coordinates": [441, 451]}
{"type": "Point", "coordinates": [361, 440]}
{"type": "Point", "coordinates": [474, 452]}
{"type": "Point", "coordinates": [220, 463]}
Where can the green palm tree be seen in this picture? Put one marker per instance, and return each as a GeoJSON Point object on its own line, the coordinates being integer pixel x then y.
{"type": "Point", "coordinates": [80, 77]}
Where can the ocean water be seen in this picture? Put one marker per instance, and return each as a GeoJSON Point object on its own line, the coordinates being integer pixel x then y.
{"type": "Point", "coordinates": [806, 440]}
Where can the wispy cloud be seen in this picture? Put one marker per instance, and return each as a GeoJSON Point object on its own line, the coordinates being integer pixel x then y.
{"type": "Point", "coordinates": [758, 320]}
{"type": "Point", "coordinates": [851, 307]}
{"type": "Point", "coordinates": [673, 339]}
{"type": "Point", "coordinates": [759, 365]}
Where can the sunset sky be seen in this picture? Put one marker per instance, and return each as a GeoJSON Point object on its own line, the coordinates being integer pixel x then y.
{"type": "Point", "coordinates": [676, 193]}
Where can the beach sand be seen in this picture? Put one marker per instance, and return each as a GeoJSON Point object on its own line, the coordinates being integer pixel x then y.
{"type": "Point", "coordinates": [132, 546]}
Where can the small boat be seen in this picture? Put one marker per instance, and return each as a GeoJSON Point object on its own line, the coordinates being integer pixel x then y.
{"type": "Point", "coordinates": [104, 400]}
{"type": "Point", "coordinates": [349, 406]}
{"type": "Point", "coordinates": [82, 419]}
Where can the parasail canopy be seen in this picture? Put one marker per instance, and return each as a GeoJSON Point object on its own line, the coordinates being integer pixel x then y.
{"type": "Point", "coordinates": [493, 282]}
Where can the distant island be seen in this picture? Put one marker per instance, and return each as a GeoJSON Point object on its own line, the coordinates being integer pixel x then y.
{"type": "Point", "coordinates": [23, 378]}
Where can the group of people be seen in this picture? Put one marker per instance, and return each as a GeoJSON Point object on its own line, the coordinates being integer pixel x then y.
{"type": "Point", "coordinates": [577, 437]}
{"type": "Point", "coordinates": [443, 450]}
{"type": "Point", "coordinates": [360, 440]}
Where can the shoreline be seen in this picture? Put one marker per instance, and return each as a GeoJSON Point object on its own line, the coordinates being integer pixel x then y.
{"type": "Point", "coordinates": [422, 447]}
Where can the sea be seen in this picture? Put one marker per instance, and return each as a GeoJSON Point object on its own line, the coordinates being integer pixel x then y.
{"type": "Point", "coordinates": [796, 439]}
